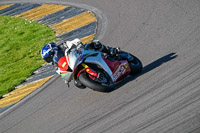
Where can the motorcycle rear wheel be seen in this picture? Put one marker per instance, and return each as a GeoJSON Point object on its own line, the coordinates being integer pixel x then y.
{"type": "Point", "coordinates": [94, 85]}
{"type": "Point", "coordinates": [136, 65]}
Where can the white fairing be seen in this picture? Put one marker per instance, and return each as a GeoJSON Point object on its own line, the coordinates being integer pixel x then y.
{"type": "Point", "coordinates": [99, 60]}
{"type": "Point", "coordinates": [73, 58]}
{"type": "Point", "coordinates": [76, 57]}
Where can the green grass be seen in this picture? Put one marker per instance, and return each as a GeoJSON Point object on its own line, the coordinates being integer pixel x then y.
{"type": "Point", "coordinates": [20, 45]}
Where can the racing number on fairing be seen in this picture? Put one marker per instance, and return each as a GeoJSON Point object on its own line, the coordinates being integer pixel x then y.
{"type": "Point", "coordinates": [120, 71]}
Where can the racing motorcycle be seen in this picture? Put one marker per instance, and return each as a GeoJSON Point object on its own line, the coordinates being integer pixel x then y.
{"type": "Point", "coordinates": [96, 70]}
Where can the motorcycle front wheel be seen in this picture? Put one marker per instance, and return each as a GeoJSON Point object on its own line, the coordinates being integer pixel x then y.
{"type": "Point", "coordinates": [105, 85]}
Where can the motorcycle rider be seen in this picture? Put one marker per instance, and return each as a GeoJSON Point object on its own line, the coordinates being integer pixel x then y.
{"type": "Point", "coordinates": [52, 52]}
{"type": "Point", "coordinates": [98, 46]}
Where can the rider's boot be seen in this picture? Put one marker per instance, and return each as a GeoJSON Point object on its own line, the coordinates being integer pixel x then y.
{"type": "Point", "coordinates": [79, 85]}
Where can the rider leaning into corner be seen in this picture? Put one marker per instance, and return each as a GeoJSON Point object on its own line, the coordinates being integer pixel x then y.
{"type": "Point", "coordinates": [52, 52]}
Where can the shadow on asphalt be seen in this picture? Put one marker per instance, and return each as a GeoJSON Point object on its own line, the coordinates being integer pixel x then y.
{"type": "Point", "coordinates": [147, 69]}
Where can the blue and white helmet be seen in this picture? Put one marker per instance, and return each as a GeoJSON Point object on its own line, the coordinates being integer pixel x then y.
{"type": "Point", "coordinates": [47, 52]}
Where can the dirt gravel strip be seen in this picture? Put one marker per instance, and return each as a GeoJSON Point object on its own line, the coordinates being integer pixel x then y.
{"type": "Point", "coordinates": [68, 22]}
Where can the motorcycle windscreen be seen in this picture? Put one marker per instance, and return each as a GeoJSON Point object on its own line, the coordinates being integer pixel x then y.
{"type": "Point", "coordinates": [72, 58]}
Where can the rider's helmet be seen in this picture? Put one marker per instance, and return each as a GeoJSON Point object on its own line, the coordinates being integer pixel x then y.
{"type": "Point", "coordinates": [97, 44]}
{"type": "Point", "coordinates": [47, 52]}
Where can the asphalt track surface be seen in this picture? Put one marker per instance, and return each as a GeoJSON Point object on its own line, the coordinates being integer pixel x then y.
{"type": "Point", "coordinates": [165, 98]}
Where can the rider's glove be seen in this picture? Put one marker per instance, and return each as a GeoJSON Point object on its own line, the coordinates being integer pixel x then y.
{"type": "Point", "coordinates": [65, 44]}
{"type": "Point", "coordinates": [79, 46]}
{"type": "Point", "coordinates": [114, 51]}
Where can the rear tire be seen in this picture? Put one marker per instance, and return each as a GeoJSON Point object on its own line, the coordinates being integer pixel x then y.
{"type": "Point", "coordinates": [136, 65]}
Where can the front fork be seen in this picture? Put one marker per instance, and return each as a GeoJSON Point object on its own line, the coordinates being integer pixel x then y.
{"type": "Point", "coordinates": [91, 72]}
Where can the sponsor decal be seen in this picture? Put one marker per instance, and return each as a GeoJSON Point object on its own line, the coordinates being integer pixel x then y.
{"type": "Point", "coordinates": [120, 70]}
{"type": "Point", "coordinates": [126, 65]}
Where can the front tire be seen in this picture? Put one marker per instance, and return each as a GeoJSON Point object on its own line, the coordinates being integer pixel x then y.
{"type": "Point", "coordinates": [94, 85]}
